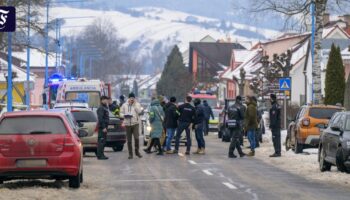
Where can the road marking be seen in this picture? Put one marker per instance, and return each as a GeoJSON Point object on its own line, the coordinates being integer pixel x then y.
{"type": "Point", "coordinates": [207, 172]}
{"type": "Point", "coordinates": [154, 180]}
{"type": "Point", "coordinates": [181, 154]}
{"type": "Point", "coordinates": [230, 186]}
{"type": "Point", "coordinates": [192, 162]}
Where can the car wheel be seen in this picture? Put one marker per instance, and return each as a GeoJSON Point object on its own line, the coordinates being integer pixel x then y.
{"type": "Point", "coordinates": [288, 143]}
{"type": "Point", "coordinates": [340, 160]}
{"type": "Point", "coordinates": [298, 148]}
{"type": "Point", "coordinates": [74, 181]}
{"type": "Point", "coordinates": [324, 165]}
{"type": "Point", "coordinates": [118, 148]}
{"type": "Point", "coordinates": [81, 177]}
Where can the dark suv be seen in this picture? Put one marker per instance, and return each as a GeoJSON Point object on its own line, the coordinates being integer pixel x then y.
{"type": "Point", "coordinates": [334, 148]}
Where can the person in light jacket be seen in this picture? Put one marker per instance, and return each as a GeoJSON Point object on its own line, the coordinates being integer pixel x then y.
{"type": "Point", "coordinates": [156, 118]}
{"type": "Point", "coordinates": [130, 111]}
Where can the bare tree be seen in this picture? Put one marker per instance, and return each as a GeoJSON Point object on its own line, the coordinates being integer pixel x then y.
{"type": "Point", "coordinates": [299, 10]}
{"type": "Point", "coordinates": [19, 39]}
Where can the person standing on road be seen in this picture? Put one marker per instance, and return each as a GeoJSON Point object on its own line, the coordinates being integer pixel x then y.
{"type": "Point", "coordinates": [251, 123]}
{"type": "Point", "coordinates": [130, 111]}
{"type": "Point", "coordinates": [208, 112]}
{"type": "Point", "coordinates": [198, 126]}
{"type": "Point", "coordinates": [235, 116]}
{"type": "Point", "coordinates": [121, 100]}
{"type": "Point", "coordinates": [103, 121]}
{"type": "Point", "coordinates": [275, 125]}
{"type": "Point", "coordinates": [241, 122]}
{"type": "Point", "coordinates": [156, 118]}
{"type": "Point", "coordinates": [171, 117]}
{"type": "Point", "coordinates": [187, 112]}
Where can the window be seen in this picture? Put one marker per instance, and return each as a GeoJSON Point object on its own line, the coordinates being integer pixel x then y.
{"type": "Point", "coordinates": [32, 125]}
{"type": "Point", "coordinates": [84, 116]}
{"type": "Point", "coordinates": [323, 113]}
{"type": "Point", "coordinates": [335, 120]}
{"type": "Point", "coordinates": [92, 98]}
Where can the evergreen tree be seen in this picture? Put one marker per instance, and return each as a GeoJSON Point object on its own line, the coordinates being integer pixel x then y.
{"type": "Point", "coordinates": [176, 80]}
{"type": "Point", "coordinates": [335, 78]}
{"type": "Point", "coordinates": [347, 94]}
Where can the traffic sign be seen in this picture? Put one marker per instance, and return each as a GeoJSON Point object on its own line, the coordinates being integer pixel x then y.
{"type": "Point", "coordinates": [285, 83]}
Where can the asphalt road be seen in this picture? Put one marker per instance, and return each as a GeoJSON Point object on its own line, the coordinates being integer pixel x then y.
{"type": "Point", "coordinates": [209, 177]}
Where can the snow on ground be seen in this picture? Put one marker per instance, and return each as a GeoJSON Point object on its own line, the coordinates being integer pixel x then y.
{"type": "Point", "coordinates": [305, 165]}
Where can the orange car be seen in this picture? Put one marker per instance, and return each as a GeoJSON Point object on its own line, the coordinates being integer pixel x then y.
{"type": "Point", "coordinates": [304, 130]}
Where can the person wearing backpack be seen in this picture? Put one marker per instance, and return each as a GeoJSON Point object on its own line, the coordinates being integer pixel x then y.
{"type": "Point", "coordinates": [156, 118]}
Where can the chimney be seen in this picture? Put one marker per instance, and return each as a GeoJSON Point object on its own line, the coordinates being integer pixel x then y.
{"type": "Point", "coordinates": [347, 19]}
{"type": "Point", "coordinates": [326, 18]}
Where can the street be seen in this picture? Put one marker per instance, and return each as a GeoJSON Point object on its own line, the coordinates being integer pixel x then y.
{"type": "Point", "coordinates": [212, 176]}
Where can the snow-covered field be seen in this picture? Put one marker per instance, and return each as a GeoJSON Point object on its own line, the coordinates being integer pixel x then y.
{"type": "Point", "coordinates": [305, 165]}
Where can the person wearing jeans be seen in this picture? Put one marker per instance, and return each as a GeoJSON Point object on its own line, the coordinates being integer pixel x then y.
{"type": "Point", "coordinates": [171, 116]}
{"type": "Point", "coordinates": [251, 123]}
{"type": "Point", "coordinates": [198, 126]}
{"type": "Point", "coordinates": [186, 112]}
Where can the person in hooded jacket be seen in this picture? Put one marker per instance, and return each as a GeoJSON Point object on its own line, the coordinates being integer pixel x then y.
{"type": "Point", "coordinates": [251, 123]}
{"type": "Point", "coordinates": [198, 126]}
{"type": "Point", "coordinates": [235, 116]}
{"type": "Point", "coordinates": [156, 118]}
{"type": "Point", "coordinates": [208, 112]}
{"type": "Point", "coordinates": [171, 116]}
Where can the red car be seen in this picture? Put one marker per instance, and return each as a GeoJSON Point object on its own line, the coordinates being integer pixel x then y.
{"type": "Point", "coordinates": [40, 144]}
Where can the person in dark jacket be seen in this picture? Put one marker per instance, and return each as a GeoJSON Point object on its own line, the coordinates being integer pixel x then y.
{"type": "Point", "coordinates": [121, 100]}
{"type": "Point", "coordinates": [198, 126]}
{"type": "Point", "coordinates": [275, 125]}
{"type": "Point", "coordinates": [171, 117]}
{"type": "Point", "coordinates": [208, 112]}
{"type": "Point", "coordinates": [243, 109]}
{"type": "Point", "coordinates": [187, 112]}
{"type": "Point", "coordinates": [235, 116]}
{"type": "Point", "coordinates": [251, 123]}
{"type": "Point", "coordinates": [103, 121]}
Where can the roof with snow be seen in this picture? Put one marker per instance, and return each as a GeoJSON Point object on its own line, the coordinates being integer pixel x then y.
{"type": "Point", "coordinates": [20, 73]}
{"type": "Point", "coordinates": [37, 58]}
{"type": "Point", "coordinates": [240, 55]}
{"type": "Point", "coordinates": [150, 83]}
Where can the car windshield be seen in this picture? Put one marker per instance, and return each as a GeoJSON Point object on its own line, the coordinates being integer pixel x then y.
{"type": "Point", "coordinates": [92, 98]}
{"type": "Point", "coordinates": [323, 113]}
{"type": "Point", "coordinates": [32, 125]}
{"type": "Point", "coordinates": [84, 116]}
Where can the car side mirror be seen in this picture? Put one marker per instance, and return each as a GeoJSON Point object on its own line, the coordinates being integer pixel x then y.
{"type": "Point", "coordinates": [337, 129]}
{"type": "Point", "coordinates": [82, 133]}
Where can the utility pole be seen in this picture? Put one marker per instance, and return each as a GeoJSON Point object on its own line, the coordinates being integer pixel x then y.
{"type": "Point", "coordinates": [28, 59]}
{"type": "Point", "coordinates": [47, 44]}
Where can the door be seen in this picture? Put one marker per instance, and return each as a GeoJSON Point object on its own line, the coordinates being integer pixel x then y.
{"type": "Point", "coordinates": [332, 137]}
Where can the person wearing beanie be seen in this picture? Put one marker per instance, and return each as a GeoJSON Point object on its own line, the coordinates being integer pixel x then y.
{"type": "Point", "coordinates": [275, 125]}
{"type": "Point", "coordinates": [198, 126]}
{"type": "Point", "coordinates": [130, 112]}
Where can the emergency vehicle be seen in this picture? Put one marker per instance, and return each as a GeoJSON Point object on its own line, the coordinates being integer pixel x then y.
{"type": "Point", "coordinates": [50, 93]}
{"type": "Point", "coordinates": [83, 90]}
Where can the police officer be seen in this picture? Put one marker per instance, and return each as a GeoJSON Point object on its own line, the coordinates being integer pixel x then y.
{"type": "Point", "coordinates": [275, 125]}
{"type": "Point", "coordinates": [198, 126]}
{"type": "Point", "coordinates": [113, 107]}
{"type": "Point", "coordinates": [187, 112]}
{"type": "Point", "coordinates": [235, 116]}
{"type": "Point", "coordinates": [103, 121]}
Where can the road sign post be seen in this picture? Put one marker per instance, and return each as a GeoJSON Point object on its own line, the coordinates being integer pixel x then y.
{"type": "Point", "coordinates": [285, 86]}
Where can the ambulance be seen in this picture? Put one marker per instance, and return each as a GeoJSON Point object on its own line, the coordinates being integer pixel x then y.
{"type": "Point", "coordinates": [83, 90]}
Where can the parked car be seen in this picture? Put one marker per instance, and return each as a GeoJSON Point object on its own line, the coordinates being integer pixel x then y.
{"type": "Point", "coordinates": [116, 136]}
{"type": "Point", "coordinates": [334, 148]}
{"type": "Point", "coordinates": [214, 123]}
{"type": "Point", "coordinates": [40, 144]}
{"type": "Point", "coordinates": [86, 119]}
{"type": "Point", "coordinates": [303, 132]}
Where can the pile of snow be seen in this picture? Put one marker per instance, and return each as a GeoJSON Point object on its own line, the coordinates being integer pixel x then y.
{"type": "Point", "coordinates": [305, 164]}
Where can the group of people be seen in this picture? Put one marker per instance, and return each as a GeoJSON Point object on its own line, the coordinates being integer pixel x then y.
{"type": "Point", "coordinates": [168, 120]}
{"type": "Point", "coordinates": [243, 119]}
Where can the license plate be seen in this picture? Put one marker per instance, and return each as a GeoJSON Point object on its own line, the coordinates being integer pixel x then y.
{"type": "Point", "coordinates": [31, 163]}
{"type": "Point", "coordinates": [110, 126]}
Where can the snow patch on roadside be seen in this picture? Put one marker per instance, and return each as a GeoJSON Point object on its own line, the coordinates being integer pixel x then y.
{"type": "Point", "coordinates": [305, 164]}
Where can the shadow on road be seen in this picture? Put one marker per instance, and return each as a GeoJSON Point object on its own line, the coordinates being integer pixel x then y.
{"type": "Point", "coordinates": [33, 184]}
